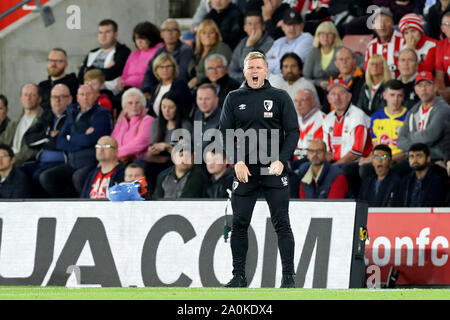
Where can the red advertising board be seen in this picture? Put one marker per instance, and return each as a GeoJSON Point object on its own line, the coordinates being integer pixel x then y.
{"type": "Point", "coordinates": [413, 241]}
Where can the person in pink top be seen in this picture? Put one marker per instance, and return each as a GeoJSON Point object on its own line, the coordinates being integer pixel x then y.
{"type": "Point", "coordinates": [146, 37]}
{"type": "Point", "coordinates": [132, 132]}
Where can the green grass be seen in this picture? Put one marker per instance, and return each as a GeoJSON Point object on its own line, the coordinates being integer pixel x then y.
{"type": "Point", "coordinates": [62, 293]}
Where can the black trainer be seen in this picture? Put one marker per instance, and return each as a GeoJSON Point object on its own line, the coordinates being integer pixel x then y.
{"type": "Point", "coordinates": [238, 281]}
{"type": "Point", "coordinates": [288, 281]}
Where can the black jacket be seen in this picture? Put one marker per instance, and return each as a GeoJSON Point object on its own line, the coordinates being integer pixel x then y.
{"type": "Point", "coordinates": [377, 103]}
{"type": "Point", "coordinates": [38, 136]}
{"type": "Point", "coordinates": [179, 87]}
{"type": "Point", "coordinates": [271, 24]}
{"type": "Point", "coordinates": [4, 124]}
{"type": "Point", "coordinates": [432, 189]}
{"type": "Point", "coordinates": [230, 22]}
{"type": "Point", "coordinates": [258, 109]}
{"type": "Point", "coordinates": [15, 186]}
{"type": "Point", "coordinates": [388, 193]}
{"type": "Point", "coordinates": [225, 84]}
{"type": "Point", "coordinates": [433, 19]}
{"type": "Point", "coordinates": [218, 188]}
{"type": "Point", "coordinates": [120, 58]}
{"type": "Point", "coordinates": [45, 88]}
{"type": "Point", "coordinates": [116, 178]}
{"type": "Point", "coordinates": [411, 98]}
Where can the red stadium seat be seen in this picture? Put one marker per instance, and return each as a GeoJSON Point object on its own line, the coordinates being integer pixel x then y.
{"type": "Point", "coordinates": [357, 43]}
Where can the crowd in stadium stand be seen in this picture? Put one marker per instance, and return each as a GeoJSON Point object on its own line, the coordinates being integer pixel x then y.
{"type": "Point", "coordinates": [370, 85]}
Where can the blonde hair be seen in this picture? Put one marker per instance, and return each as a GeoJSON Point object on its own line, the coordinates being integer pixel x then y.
{"type": "Point", "coordinates": [94, 74]}
{"type": "Point", "coordinates": [208, 23]}
{"type": "Point", "coordinates": [386, 72]}
{"type": "Point", "coordinates": [160, 59]}
{"type": "Point", "coordinates": [327, 27]}
{"type": "Point", "coordinates": [256, 55]}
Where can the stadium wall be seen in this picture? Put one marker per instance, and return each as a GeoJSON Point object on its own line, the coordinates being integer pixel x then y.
{"type": "Point", "coordinates": [25, 44]}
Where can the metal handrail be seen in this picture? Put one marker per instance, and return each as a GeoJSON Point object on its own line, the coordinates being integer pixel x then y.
{"type": "Point", "coordinates": [45, 12]}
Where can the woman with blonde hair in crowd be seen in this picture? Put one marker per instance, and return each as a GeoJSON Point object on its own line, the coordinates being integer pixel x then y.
{"type": "Point", "coordinates": [165, 69]}
{"type": "Point", "coordinates": [371, 96]}
{"type": "Point", "coordinates": [132, 132]}
{"type": "Point", "coordinates": [319, 63]}
{"type": "Point", "coordinates": [208, 41]}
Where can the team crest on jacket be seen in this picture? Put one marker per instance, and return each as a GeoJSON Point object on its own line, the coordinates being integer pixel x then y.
{"type": "Point", "coordinates": [284, 181]}
{"type": "Point", "coordinates": [268, 104]}
{"type": "Point", "coordinates": [235, 185]}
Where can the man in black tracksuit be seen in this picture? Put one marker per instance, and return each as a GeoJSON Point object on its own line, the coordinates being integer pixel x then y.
{"type": "Point", "coordinates": [260, 111]}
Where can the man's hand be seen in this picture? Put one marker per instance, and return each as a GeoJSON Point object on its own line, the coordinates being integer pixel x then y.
{"type": "Point", "coordinates": [324, 84]}
{"type": "Point", "coordinates": [411, 41]}
{"type": "Point", "coordinates": [242, 172]}
{"type": "Point", "coordinates": [363, 161]}
{"type": "Point", "coordinates": [267, 10]}
{"type": "Point", "coordinates": [276, 168]}
{"type": "Point", "coordinates": [54, 133]}
{"type": "Point", "coordinates": [253, 38]}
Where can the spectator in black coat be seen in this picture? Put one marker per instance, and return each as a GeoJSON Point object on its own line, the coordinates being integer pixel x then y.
{"type": "Point", "coordinates": [13, 182]}
{"type": "Point", "coordinates": [273, 11]}
{"type": "Point", "coordinates": [229, 19]}
{"type": "Point", "coordinates": [110, 57]}
{"type": "Point", "coordinates": [165, 69]}
{"type": "Point", "coordinates": [221, 175]}
{"type": "Point", "coordinates": [216, 69]}
{"type": "Point", "coordinates": [433, 18]}
{"type": "Point", "coordinates": [425, 186]}
{"type": "Point", "coordinates": [383, 188]}
{"type": "Point", "coordinates": [86, 122]}
{"type": "Point", "coordinates": [371, 95]}
{"type": "Point", "coordinates": [56, 69]}
{"type": "Point", "coordinates": [42, 137]}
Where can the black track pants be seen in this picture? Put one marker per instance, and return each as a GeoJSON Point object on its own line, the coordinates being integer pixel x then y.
{"type": "Point", "coordinates": [276, 193]}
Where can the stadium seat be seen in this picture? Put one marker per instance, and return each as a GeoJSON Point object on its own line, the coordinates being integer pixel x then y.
{"type": "Point", "coordinates": [357, 43]}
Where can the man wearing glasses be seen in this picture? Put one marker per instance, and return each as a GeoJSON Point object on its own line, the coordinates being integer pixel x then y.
{"type": "Point", "coordinates": [86, 122]}
{"type": "Point", "coordinates": [109, 171]}
{"type": "Point", "coordinates": [56, 69]}
{"type": "Point", "coordinates": [383, 188]}
{"type": "Point", "coordinates": [182, 53]}
{"type": "Point", "coordinates": [42, 137]}
{"type": "Point", "coordinates": [322, 180]}
{"type": "Point", "coordinates": [216, 70]}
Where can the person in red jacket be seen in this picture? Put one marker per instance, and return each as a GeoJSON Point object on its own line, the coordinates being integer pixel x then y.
{"type": "Point", "coordinates": [322, 180]}
{"type": "Point", "coordinates": [412, 28]}
{"type": "Point", "coordinates": [443, 60]}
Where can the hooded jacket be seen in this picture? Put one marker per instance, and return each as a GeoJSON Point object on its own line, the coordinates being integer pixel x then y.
{"type": "Point", "coordinates": [433, 135]}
